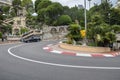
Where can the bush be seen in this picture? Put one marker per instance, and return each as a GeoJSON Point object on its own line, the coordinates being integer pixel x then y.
{"type": "Point", "coordinates": [0, 34]}
{"type": "Point", "coordinates": [23, 30]}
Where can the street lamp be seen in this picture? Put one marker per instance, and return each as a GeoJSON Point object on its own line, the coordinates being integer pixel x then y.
{"type": "Point", "coordinates": [34, 14]}
{"type": "Point", "coordinates": [85, 20]}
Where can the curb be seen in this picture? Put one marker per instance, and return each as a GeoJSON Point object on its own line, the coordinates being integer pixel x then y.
{"type": "Point", "coordinates": [49, 49]}
{"type": "Point", "coordinates": [6, 43]}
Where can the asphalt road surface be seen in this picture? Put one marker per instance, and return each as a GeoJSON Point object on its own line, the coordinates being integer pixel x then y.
{"type": "Point", "coordinates": [28, 61]}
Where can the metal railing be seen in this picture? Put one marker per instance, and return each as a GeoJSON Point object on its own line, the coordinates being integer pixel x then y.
{"type": "Point", "coordinates": [34, 32]}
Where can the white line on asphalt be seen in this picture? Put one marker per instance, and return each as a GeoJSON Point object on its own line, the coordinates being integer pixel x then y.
{"type": "Point", "coordinates": [85, 55]}
{"type": "Point", "coordinates": [57, 52]}
{"type": "Point", "coordinates": [62, 65]}
{"type": "Point", "coordinates": [46, 48]}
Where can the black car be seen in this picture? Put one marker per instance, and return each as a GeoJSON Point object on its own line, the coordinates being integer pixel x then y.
{"type": "Point", "coordinates": [31, 39]}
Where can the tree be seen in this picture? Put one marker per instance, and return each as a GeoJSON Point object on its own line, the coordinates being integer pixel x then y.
{"type": "Point", "coordinates": [1, 16]}
{"type": "Point", "coordinates": [114, 16]}
{"type": "Point", "coordinates": [54, 10]}
{"type": "Point", "coordinates": [0, 34]}
{"type": "Point", "coordinates": [41, 8]}
{"type": "Point", "coordinates": [31, 21]}
{"type": "Point", "coordinates": [64, 20]}
{"type": "Point", "coordinates": [42, 14]}
{"type": "Point", "coordinates": [102, 35]}
{"type": "Point", "coordinates": [28, 5]}
{"type": "Point", "coordinates": [103, 10]}
{"type": "Point", "coordinates": [66, 10]}
{"type": "Point", "coordinates": [23, 30]}
{"type": "Point", "coordinates": [96, 20]}
{"type": "Point", "coordinates": [6, 29]}
{"type": "Point", "coordinates": [74, 33]}
{"type": "Point", "coordinates": [75, 13]}
{"type": "Point", "coordinates": [43, 4]}
{"type": "Point", "coordinates": [5, 9]}
{"type": "Point", "coordinates": [16, 5]}
{"type": "Point", "coordinates": [115, 28]}
{"type": "Point", "coordinates": [36, 4]}
{"type": "Point", "coordinates": [49, 14]}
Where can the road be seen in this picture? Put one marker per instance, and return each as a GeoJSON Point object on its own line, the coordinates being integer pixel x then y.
{"type": "Point", "coordinates": [30, 62]}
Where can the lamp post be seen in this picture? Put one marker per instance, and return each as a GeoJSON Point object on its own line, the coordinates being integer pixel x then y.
{"type": "Point", "coordinates": [85, 20]}
{"type": "Point", "coordinates": [34, 14]}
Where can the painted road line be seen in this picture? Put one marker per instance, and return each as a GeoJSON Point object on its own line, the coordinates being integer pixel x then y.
{"type": "Point", "coordinates": [55, 51]}
{"type": "Point", "coordinates": [108, 55]}
{"type": "Point", "coordinates": [83, 55]}
{"type": "Point", "coordinates": [59, 65]}
{"type": "Point", "coordinates": [45, 48]}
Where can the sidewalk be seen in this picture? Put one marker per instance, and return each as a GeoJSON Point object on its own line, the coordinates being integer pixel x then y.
{"type": "Point", "coordinates": [56, 49]}
{"type": "Point", "coordinates": [7, 42]}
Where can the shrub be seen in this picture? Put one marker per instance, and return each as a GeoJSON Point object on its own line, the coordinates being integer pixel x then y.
{"type": "Point", "coordinates": [23, 30]}
{"type": "Point", "coordinates": [0, 34]}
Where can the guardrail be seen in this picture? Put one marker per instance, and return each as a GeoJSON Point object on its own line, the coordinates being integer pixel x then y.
{"type": "Point", "coordinates": [31, 33]}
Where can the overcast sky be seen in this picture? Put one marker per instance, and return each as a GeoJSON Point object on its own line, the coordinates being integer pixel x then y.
{"type": "Point", "coordinates": [72, 3]}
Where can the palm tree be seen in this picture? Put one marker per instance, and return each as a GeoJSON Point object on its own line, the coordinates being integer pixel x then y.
{"type": "Point", "coordinates": [74, 33]}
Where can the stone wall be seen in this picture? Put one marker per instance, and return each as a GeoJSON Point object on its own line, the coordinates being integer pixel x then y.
{"type": "Point", "coordinates": [54, 32]}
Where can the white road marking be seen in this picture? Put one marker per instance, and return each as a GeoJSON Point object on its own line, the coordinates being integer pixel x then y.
{"type": "Point", "coordinates": [85, 55]}
{"type": "Point", "coordinates": [46, 48]}
{"type": "Point", "coordinates": [108, 55]}
{"type": "Point", "coordinates": [57, 52]}
{"type": "Point", "coordinates": [61, 65]}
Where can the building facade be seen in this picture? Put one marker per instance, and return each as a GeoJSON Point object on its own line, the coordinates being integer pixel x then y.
{"type": "Point", "coordinates": [19, 22]}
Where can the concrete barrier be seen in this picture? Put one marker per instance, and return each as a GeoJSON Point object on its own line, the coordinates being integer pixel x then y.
{"type": "Point", "coordinates": [84, 48]}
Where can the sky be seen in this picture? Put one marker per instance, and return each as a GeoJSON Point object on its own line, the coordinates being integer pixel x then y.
{"type": "Point", "coordinates": [72, 3]}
